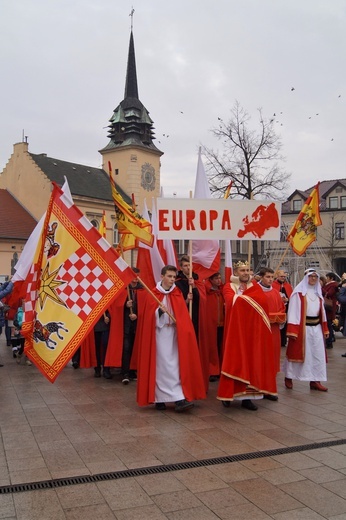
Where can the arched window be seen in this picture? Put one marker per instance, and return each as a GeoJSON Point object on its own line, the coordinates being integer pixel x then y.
{"type": "Point", "coordinates": [95, 223]}
{"type": "Point", "coordinates": [115, 234]}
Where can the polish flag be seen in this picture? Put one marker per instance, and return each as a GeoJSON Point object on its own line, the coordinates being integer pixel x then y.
{"type": "Point", "coordinates": [166, 246]}
{"type": "Point", "coordinates": [149, 260]}
{"type": "Point", "coordinates": [205, 253]}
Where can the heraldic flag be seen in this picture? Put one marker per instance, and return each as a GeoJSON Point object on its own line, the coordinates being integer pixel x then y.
{"type": "Point", "coordinates": [74, 278]}
{"type": "Point", "coordinates": [303, 231]}
{"type": "Point", "coordinates": [131, 226]}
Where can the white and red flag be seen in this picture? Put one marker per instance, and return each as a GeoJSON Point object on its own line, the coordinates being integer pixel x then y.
{"type": "Point", "coordinates": [205, 253]}
{"type": "Point", "coordinates": [166, 246]}
{"type": "Point", "coordinates": [74, 277]}
{"type": "Point", "coordinates": [149, 260]}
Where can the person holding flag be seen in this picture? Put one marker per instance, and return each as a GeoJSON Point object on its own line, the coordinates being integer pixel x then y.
{"type": "Point", "coordinates": [194, 293]}
{"type": "Point", "coordinates": [125, 312]}
{"type": "Point", "coordinates": [169, 368]}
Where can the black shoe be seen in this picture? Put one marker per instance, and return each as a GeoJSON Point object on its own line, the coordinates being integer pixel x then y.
{"type": "Point", "coordinates": [160, 406]}
{"type": "Point", "coordinates": [213, 379]}
{"type": "Point", "coordinates": [343, 355]}
{"type": "Point", "coordinates": [270, 397]}
{"type": "Point", "coordinates": [125, 379]}
{"type": "Point", "coordinates": [248, 404]}
{"type": "Point", "coordinates": [181, 406]}
{"type": "Point", "coordinates": [9, 344]}
{"type": "Point", "coordinates": [226, 404]}
{"type": "Point", "coordinates": [75, 364]}
{"type": "Point", "coordinates": [1, 365]}
{"type": "Point", "coordinates": [107, 373]}
{"type": "Point", "coordinates": [329, 346]}
{"type": "Point", "coordinates": [97, 372]}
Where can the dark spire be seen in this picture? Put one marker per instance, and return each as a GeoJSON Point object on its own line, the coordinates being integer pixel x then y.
{"type": "Point", "coordinates": [131, 87]}
{"type": "Point", "coordinates": [130, 123]}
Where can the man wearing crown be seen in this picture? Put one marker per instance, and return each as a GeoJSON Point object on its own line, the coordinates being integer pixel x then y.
{"type": "Point", "coordinates": [248, 368]}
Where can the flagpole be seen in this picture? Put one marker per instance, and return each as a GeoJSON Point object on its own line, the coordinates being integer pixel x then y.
{"type": "Point", "coordinates": [127, 287]}
{"type": "Point", "coordinates": [190, 271]}
{"type": "Point", "coordinates": [249, 251]}
{"type": "Point", "coordinates": [282, 259]}
{"type": "Point", "coordinates": [228, 247]}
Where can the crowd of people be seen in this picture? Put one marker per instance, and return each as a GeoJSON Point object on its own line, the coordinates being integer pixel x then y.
{"type": "Point", "coordinates": [186, 333]}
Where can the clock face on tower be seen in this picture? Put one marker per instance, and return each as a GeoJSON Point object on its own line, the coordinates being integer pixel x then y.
{"type": "Point", "coordinates": [148, 179]}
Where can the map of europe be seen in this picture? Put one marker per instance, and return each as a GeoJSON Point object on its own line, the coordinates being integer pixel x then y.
{"type": "Point", "coordinates": [261, 220]}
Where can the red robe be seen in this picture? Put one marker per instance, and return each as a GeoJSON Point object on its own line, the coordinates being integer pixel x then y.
{"type": "Point", "coordinates": [229, 292]}
{"type": "Point", "coordinates": [189, 361]}
{"type": "Point", "coordinates": [88, 351]}
{"type": "Point", "coordinates": [280, 286]}
{"type": "Point", "coordinates": [203, 343]}
{"type": "Point", "coordinates": [249, 361]}
{"type": "Point", "coordinates": [214, 319]}
{"type": "Point", "coordinates": [277, 316]}
{"type": "Point", "coordinates": [116, 333]}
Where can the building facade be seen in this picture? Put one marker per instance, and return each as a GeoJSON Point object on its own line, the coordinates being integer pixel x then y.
{"type": "Point", "coordinates": [135, 161]}
{"type": "Point", "coordinates": [328, 252]}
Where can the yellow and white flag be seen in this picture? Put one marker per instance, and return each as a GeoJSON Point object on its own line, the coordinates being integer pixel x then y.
{"type": "Point", "coordinates": [303, 231]}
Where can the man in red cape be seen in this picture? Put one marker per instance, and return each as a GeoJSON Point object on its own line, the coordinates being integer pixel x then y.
{"type": "Point", "coordinates": [214, 323]}
{"type": "Point", "coordinates": [169, 367]}
{"type": "Point", "coordinates": [126, 313]}
{"type": "Point", "coordinates": [199, 311]}
{"type": "Point", "coordinates": [277, 314]}
{"type": "Point", "coordinates": [248, 366]}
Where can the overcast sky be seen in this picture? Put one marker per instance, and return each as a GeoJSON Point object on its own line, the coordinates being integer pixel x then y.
{"type": "Point", "coordinates": [63, 67]}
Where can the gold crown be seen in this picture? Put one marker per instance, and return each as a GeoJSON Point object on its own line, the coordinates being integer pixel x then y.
{"type": "Point", "coordinates": [241, 263]}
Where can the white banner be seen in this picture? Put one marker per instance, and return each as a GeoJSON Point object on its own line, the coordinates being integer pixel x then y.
{"type": "Point", "coordinates": [200, 219]}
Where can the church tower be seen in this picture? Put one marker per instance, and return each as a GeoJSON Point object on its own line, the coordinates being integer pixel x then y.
{"type": "Point", "coordinates": [133, 155]}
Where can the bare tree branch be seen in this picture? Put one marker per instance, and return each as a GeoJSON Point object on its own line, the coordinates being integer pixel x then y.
{"type": "Point", "coordinates": [250, 158]}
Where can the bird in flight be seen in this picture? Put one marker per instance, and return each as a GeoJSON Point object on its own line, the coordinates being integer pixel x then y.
{"type": "Point", "coordinates": [292, 89]}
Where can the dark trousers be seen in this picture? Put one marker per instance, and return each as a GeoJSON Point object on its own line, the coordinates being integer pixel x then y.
{"type": "Point", "coordinates": [101, 342]}
{"type": "Point", "coordinates": [329, 341]}
{"type": "Point", "coordinates": [283, 335]}
{"type": "Point", "coordinates": [76, 356]}
{"type": "Point", "coordinates": [7, 333]}
{"type": "Point", "coordinates": [129, 339]}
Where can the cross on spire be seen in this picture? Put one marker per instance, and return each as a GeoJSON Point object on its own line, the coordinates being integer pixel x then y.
{"type": "Point", "coordinates": [131, 14]}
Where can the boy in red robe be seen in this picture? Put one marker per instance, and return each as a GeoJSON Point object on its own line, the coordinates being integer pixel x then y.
{"type": "Point", "coordinates": [169, 367]}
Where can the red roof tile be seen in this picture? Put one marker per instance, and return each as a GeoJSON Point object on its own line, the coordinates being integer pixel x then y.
{"type": "Point", "coordinates": [15, 221]}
